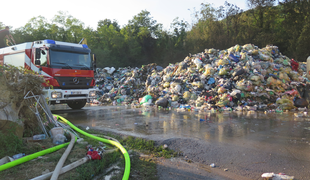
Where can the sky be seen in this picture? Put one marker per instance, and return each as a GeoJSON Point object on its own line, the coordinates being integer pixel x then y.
{"type": "Point", "coordinates": [18, 12]}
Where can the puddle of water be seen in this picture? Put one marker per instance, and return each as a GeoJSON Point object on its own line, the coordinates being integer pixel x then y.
{"type": "Point", "coordinates": [224, 126]}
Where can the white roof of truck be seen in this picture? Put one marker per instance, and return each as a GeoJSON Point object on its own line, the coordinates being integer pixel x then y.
{"type": "Point", "coordinates": [15, 48]}
{"type": "Point", "coordinates": [37, 44]}
{"type": "Point", "coordinates": [48, 42]}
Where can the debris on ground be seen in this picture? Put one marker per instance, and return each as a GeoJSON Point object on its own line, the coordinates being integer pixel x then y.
{"type": "Point", "coordinates": [280, 176]}
{"type": "Point", "coordinates": [239, 78]}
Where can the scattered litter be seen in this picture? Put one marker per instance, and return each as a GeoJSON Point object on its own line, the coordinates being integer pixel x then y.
{"type": "Point", "coordinates": [39, 137]}
{"type": "Point", "coordinates": [87, 128]}
{"type": "Point", "coordinates": [165, 146]}
{"type": "Point", "coordinates": [212, 165]}
{"type": "Point", "coordinates": [45, 171]}
{"type": "Point", "coordinates": [5, 160]}
{"type": "Point", "coordinates": [17, 156]}
{"type": "Point", "coordinates": [280, 176]}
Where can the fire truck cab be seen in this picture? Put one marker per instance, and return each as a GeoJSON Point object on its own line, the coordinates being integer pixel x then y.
{"type": "Point", "coordinates": [68, 69]}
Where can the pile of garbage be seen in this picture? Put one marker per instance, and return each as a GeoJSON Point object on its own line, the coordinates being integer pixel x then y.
{"type": "Point", "coordinates": [239, 78]}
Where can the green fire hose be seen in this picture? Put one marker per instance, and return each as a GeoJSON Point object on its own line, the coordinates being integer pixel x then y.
{"type": "Point", "coordinates": [50, 150]}
{"type": "Point", "coordinates": [118, 145]}
{"type": "Point", "coordinates": [32, 156]}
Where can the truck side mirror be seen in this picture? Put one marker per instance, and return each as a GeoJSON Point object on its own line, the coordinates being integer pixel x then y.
{"type": "Point", "coordinates": [94, 62]}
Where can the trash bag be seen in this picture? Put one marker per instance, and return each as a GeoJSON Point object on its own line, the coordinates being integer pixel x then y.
{"type": "Point", "coordinates": [248, 47]}
{"type": "Point", "coordinates": [292, 92]}
{"type": "Point", "coordinates": [221, 90]}
{"type": "Point", "coordinates": [186, 95]}
{"type": "Point", "coordinates": [145, 99]}
{"type": "Point", "coordinates": [239, 72]}
{"type": "Point", "coordinates": [159, 68]}
{"type": "Point", "coordinates": [167, 78]}
{"type": "Point", "coordinates": [286, 62]}
{"type": "Point", "coordinates": [233, 58]}
{"type": "Point", "coordinates": [240, 85]}
{"type": "Point", "coordinates": [228, 85]}
{"type": "Point", "coordinates": [193, 96]}
{"type": "Point", "coordinates": [264, 65]}
{"type": "Point", "coordinates": [109, 70]}
{"type": "Point", "coordinates": [284, 76]}
{"type": "Point", "coordinates": [271, 81]}
{"type": "Point", "coordinates": [222, 72]}
{"type": "Point", "coordinates": [222, 62]}
{"type": "Point", "coordinates": [294, 65]}
{"type": "Point", "coordinates": [174, 97]}
{"type": "Point", "coordinates": [163, 102]}
{"type": "Point", "coordinates": [285, 104]}
{"type": "Point", "coordinates": [166, 85]}
{"type": "Point", "coordinates": [300, 102]}
{"type": "Point", "coordinates": [197, 63]}
{"type": "Point", "coordinates": [211, 81]}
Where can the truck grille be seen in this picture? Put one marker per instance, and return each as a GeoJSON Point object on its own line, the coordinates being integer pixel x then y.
{"type": "Point", "coordinates": [74, 82]}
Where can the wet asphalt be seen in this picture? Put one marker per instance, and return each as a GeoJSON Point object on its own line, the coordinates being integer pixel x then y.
{"type": "Point", "coordinates": [247, 144]}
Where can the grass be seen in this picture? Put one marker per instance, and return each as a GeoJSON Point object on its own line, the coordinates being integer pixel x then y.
{"type": "Point", "coordinates": [11, 144]}
{"type": "Point", "coordinates": [141, 167]}
{"type": "Point", "coordinates": [92, 168]}
{"type": "Point", "coordinates": [147, 146]}
{"type": "Point", "coordinates": [140, 144]}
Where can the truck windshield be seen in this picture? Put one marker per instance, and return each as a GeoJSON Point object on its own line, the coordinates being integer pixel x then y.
{"type": "Point", "coordinates": [70, 60]}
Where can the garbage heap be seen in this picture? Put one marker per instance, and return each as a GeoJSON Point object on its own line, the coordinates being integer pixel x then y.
{"type": "Point", "coordinates": [123, 86]}
{"type": "Point", "coordinates": [241, 77]}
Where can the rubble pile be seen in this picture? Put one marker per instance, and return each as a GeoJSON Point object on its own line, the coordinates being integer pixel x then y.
{"type": "Point", "coordinates": [239, 78]}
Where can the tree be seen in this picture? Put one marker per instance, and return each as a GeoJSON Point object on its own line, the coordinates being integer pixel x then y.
{"type": "Point", "coordinates": [179, 32]}
{"type": "Point", "coordinates": [260, 6]}
{"type": "Point", "coordinates": [295, 14]}
{"type": "Point", "coordinates": [108, 22]}
{"type": "Point", "coordinates": [68, 28]}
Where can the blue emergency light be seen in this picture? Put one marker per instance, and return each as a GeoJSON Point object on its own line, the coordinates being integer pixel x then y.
{"type": "Point", "coordinates": [49, 41]}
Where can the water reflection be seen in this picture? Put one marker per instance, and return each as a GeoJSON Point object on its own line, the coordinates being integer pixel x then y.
{"type": "Point", "coordinates": [221, 127]}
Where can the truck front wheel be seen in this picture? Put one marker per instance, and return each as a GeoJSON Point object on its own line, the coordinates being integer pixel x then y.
{"type": "Point", "coordinates": [77, 104]}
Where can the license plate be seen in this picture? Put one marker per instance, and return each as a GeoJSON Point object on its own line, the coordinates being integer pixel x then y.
{"type": "Point", "coordinates": [76, 92]}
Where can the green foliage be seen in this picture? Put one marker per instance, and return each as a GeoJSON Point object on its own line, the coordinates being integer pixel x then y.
{"type": "Point", "coordinates": [147, 146]}
{"type": "Point", "coordinates": [10, 143]}
{"type": "Point", "coordinates": [143, 40]}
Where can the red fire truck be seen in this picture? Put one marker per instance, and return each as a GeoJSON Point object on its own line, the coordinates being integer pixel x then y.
{"type": "Point", "coordinates": [67, 68]}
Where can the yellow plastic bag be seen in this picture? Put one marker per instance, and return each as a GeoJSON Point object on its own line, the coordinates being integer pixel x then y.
{"type": "Point", "coordinates": [222, 72]}
{"type": "Point", "coordinates": [221, 90]}
{"type": "Point", "coordinates": [222, 62]}
{"type": "Point", "coordinates": [255, 78]}
{"type": "Point", "coordinates": [285, 104]}
{"type": "Point", "coordinates": [271, 81]}
{"type": "Point", "coordinates": [166, 84]}
{"type": "Point", "coordinates": [284, 76]}
{"type": "Point", "coordinates": [186, 95]}
{"type": "Point", "coordinates": [248, 47]}
{"type": "Point", "coordinates": [244, 56]}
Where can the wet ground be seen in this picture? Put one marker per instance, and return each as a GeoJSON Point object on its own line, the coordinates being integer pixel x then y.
{"type": "Point", "coordinates": [244, 143]}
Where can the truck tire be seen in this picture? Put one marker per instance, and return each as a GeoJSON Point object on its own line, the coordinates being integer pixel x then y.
{"type": "Point", "coordinates": [77, 104]}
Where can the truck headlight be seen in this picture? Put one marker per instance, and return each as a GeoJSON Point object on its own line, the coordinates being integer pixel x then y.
{"type": "Point", "coordinates": [92, 93]}
{"type": "Point", "coordinates": [56, 95]}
